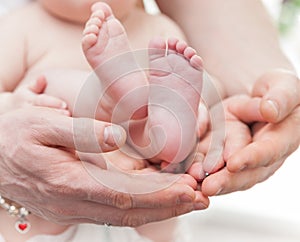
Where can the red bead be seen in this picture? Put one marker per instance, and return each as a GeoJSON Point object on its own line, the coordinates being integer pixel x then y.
{"type": "Point", "coordinates": [22, 226]}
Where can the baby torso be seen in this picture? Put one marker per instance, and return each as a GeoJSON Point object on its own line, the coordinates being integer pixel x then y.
{"type": "Point", "coordinates": [52, 43]}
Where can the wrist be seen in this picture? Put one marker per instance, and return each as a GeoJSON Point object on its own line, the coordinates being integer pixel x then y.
{"type": "Point", "coordinates": [21, 225]}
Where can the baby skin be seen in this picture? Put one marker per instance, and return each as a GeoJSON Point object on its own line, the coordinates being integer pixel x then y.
{"type": "Point", "coordinates": [155, 105]}
{"type": "Point", "coordinates": [159, 111]}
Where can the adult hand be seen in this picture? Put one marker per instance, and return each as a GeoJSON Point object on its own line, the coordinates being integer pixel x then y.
{"type": "Point", "coordinates": [40, 170]}
{"type": "Point", "coordinates": [280, 93]}
{"type": "Point", "coordinates": [271, 144]}
{"type": "Point", "coordinates": [227, 134]}
{"type": "Point", "coordinates": [238, 66]}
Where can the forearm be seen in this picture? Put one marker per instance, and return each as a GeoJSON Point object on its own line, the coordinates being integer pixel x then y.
{"type": "Point", "coordinates": [235, 38]}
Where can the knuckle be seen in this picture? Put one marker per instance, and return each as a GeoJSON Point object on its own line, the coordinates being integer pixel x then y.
{"type": "Point", "coordinates": [179, 210]}
{"type": "Point", "coordinates": [131, 220]}
{"type": "Point", "coordinates": [247, 186]}
{"type": "Point", "coordinates": [122, 200]}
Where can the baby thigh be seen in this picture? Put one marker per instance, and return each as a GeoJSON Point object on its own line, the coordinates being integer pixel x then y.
{"type": "Point", "coordinates": [79, 89]}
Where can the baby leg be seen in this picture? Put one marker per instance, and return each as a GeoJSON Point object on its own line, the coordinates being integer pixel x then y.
{"type": "Point", "coordinates": [124, 84]}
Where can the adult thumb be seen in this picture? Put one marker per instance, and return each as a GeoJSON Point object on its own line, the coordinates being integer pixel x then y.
{"type": "Point", "coordinates": [82, 134]}
{"type": "Point", "coordinates": [280, 93]}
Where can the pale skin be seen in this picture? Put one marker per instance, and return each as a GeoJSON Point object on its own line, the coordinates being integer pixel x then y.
{"type": "Point", "coordinates": [234, 180]}
{"type": "Point", "coordinates": [278, 61]}
{"type": "Point", "coordinates": [181, 197]}
{"type": "Point", "coordinates": [68, 92]}
{"type": "Point", "coordinates": [255, 66]}
{"type": "Point", "coordinates": [93, 202]}
{"type": "Point", "coordinates": [104, 38]}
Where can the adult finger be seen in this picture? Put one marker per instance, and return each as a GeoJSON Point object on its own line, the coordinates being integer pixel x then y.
{"type": "Point", "coordinates": [196, 170]}
{"type": "Point", "coordinates": [280, 93]}
{"type": "Point", "coordinates": [88, 212]}
{"type": "Point", "coordinates": [214, 140]}
{"type": "Point", "coordinates": [85, 181]}
{"type": "Point", "coordinates": [203, 120]}
{"type": "Point", "coordinates": [270, 143]}
{"type": "Point", "coordinates": [246, 109]}
{"type": "Point", "coordinates": [224, 182]}
{"type": "Point", "coordinates": [238, 135]}
{"type": "Point", "coordinates": [214, 160]}
{"type": "Point", "coordinates": [133, 190]}
{"type": "Point", "coordinates": [82, 134]}
{"type": "Point", "coordinates": [113, 160]}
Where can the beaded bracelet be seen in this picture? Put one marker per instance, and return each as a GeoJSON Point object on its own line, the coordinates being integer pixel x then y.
{"type": "Point", "coordinates": [21, 225]}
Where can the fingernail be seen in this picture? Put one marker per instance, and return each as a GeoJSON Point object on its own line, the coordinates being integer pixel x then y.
{"type": "Point", "coordinates": [64, 112]}
{"type": "Point", "coordinates": [200, 206]}
{"type": "Point", "coordinates": [186, 198]}
{"type": "Point", "coordinates": [243, 167]}
{"type": "Point", "coordinates": [114, 135]}
{"type": "Point", "coordinates": [219, 192]}
{"type": "Point", "coordinates": [274, 107]}
{"type": "Point", "coordinates": [64, 105]}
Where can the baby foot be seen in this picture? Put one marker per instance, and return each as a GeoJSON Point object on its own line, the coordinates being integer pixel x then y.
{"type": "Point", "coordinates": [106, 47]}
{"type": "Point", "coordinates": [175, 88]}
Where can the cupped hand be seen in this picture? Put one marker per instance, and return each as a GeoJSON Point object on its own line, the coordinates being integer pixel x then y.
{"type": "Point", "coordinates": [40, 170]}
{"type": "Point", "coordinates": [280, 93]}
{"type": "Point", "coordinates": [271, 144]}
{"type": "Point", "coordinates": [227, 134]}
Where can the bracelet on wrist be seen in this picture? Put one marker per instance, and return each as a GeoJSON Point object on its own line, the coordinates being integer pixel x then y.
{"type": "Point", "coordinates": [22, 225]}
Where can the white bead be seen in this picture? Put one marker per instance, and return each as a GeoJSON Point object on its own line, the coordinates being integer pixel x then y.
{"type": "Point", "coordinates": [12, 210]}
{"type": "Point", "coordinates": [6, 206]}
{"type": "Point", "coordinates": [23, 211]}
